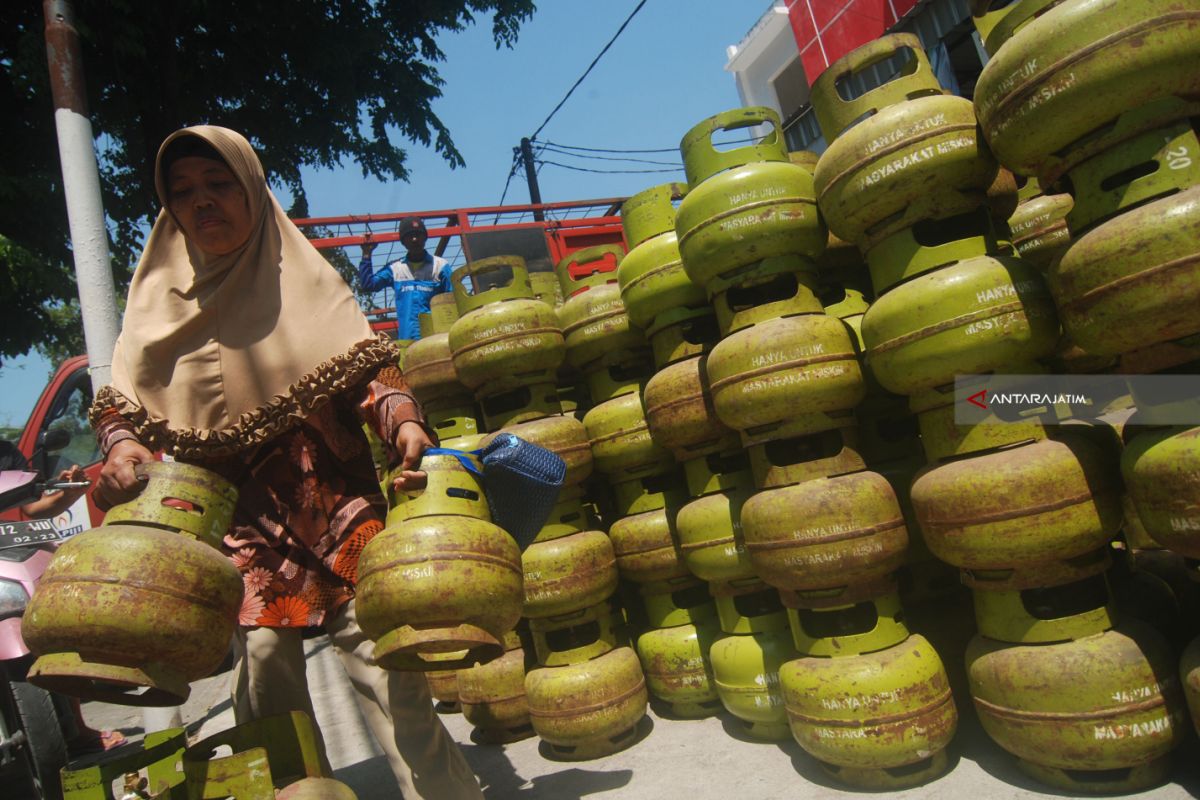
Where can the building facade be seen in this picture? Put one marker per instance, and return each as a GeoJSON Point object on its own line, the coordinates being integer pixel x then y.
{"type": "Point", "coordinates": [794, 41]}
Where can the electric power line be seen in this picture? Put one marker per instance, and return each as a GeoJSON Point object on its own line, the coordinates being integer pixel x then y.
{"type": "Point", "coordinates": [608, 150]}
{"type": "Point", "coordinates": [589, 69]}
{"type": "Point", "coordinates": [585, 169]}
{"type": "Point", "coordinates": [558, 148]}
{"type": "Point", "coordinates": [511, 171]}
{"type": "Point", "coordinates": [611, 158]}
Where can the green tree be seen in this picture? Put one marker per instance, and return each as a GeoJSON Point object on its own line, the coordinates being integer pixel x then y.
{"type": "Point", "coordinates": [311, 82]}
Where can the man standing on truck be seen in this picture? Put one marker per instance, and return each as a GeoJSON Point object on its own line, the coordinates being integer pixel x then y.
{"type": "Point", "coordinates": [416, 277]}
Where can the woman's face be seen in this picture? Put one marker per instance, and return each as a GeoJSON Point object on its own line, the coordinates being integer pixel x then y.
{"type": "Point", "coordinates": [209, 203]}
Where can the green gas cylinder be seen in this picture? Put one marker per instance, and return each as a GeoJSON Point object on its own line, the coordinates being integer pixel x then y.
{"type": "Point", "coordinates": [132, 611]}
{"type": "Point", "coordinates": [746, 673]}
{"type": "Point", "coordinates": [594, 320]}
{"type": "Point", "coordinates": [590, 709]}
{"type": "Point", "coordinates": [568, 573]}
{"type": "Point", "coordinates": [914, 156]}
{"type": "Point", "coordinates": [793, 370]}
{"type": "Point", "coordinates": [493, 695]}
{"type": "Point", "coordinates": [1098, 714]}
{"type": "Point", "coordinates": [977, 316]}
{"type": "Point", "coordinates": [505, 338]}
{"type": "Point", "coordinates": [745, 204]}
{"type": "Point", "coordinates": [1160, 467]}
{"type": "Point", "coordinates": [825, 533]}
{"type": "Point", "coordinates": [651, 276]}
{"type": "Point", "coordinates": [1019, 506]}
{"type": "Point", "coordinates": [875, 720]}
{"type": "Point", "coordinates": [1054, 83]}
{"type": "Point", "coordinates": [1133, 281]}
{"type": "Point", "coordinates": [622, 447]}
{"type": "Point", "coordinates": [439, 583]}
{"type": "Point", "coordinates": [675, 661]}
{"type": "Point", "coordinates": [680, 413]}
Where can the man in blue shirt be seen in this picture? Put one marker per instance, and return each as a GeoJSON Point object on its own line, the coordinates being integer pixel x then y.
{"type": "Point", "coordinates": [415, 278]}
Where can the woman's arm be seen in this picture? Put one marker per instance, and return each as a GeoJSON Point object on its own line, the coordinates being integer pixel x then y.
{"type": "Point", "coordinates": [388, 406]}
{"type": "Point", "coordinates": [123, 452]}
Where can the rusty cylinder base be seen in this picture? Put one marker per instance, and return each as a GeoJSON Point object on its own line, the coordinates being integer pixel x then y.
{"type": "Point", "coordinates": [1113, 781]}
{"type": "Point", "coordinates": [764, 731]}
{"type": "Point", "coordinates": [694, 710]}
{"type": "Point", "coordinates": [147, 685]}
{"type": "Point", "coordinates": [890, 779]}
{"type": "Point", "coordinates": [593, 748]}
{"type": "Point", "coordinates": [410, 649]}
{"type": "Point", "coordinates": [515, 733]}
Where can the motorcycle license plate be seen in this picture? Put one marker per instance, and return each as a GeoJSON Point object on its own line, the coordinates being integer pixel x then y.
{"type": "Point", "coordinates": [23, 533]}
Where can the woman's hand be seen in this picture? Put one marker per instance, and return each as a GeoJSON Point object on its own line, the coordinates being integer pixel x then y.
{"type": "Point", "coordinates": [118, 481]}
{"type": "Point", "coordinates": [73, 475]}
{"type": "Point", "coordinates": [55, 503]}
{"type": "Point", "coordinates": [411, 443]}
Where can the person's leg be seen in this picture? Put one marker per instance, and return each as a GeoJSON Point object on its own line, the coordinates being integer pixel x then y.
{"type": "Point", "coordinates": [81, 737]}
{"type": "Point", "coordinates": [399, 710]}
{"type": "Point", "coordinates": [269, 677]}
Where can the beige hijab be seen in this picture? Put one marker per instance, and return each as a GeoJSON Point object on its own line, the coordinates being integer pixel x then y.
{"type": "Point", "coordinates": [221, 353]}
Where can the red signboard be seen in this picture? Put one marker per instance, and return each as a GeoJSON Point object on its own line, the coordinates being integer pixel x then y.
{"type": "Point", "coordinates": [828, 29]}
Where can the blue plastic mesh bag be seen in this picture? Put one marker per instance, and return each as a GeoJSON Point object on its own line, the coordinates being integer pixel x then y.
{"type": "Point", "coordinates": [521, 481]}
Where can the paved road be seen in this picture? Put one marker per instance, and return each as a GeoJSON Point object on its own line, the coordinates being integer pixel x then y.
{"type": "Point", "coordinates": [691, 759]}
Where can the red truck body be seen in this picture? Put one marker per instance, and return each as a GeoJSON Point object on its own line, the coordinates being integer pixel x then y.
{"type": "Point", "coordinates": [542, 234]}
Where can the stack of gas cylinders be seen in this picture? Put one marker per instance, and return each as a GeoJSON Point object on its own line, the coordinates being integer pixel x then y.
{"type": "Point", "coordinates": [771, 507]}
{"type": "Point", "coordinates": [767, 381]}
{"type": "Point", "coordinates": [1095, 100]}
{"type": "Point", "coordinates": [566, 672]}
{"type": "Point", "coordinates": [1027, 516]}
{"type": "Point", "coordinates": [824, 536]}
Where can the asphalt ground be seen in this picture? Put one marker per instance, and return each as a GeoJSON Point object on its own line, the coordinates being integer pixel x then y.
{"type": "Point", "coordinates": [689, 759]}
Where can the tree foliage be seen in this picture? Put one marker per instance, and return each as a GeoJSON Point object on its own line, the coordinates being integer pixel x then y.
{"type": "Point", "coordinates": [310, 82]}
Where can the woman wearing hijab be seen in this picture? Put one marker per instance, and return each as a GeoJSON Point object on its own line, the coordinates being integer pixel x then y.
{"type": "Point", "coordinates": [244, 352]}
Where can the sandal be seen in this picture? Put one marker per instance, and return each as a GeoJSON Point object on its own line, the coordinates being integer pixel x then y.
{"type": "Point", "coordinates": [92, 741]}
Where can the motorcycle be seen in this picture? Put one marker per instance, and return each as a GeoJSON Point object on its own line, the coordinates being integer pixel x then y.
{"type": "Point", "coordinates": [35, 725]}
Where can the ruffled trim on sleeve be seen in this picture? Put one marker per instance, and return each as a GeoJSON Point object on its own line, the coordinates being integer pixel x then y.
{"type": "Point", "coordinates": [285, 411]}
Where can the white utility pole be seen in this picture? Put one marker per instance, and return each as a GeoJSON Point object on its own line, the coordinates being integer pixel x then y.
{"type": "Point", "coordinates": [81, 184]}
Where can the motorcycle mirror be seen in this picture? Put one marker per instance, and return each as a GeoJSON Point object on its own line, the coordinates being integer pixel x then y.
{"type": "Point", "coordinates": [54, 439]}
{"type": "Point", "coordinates": [49, 441]}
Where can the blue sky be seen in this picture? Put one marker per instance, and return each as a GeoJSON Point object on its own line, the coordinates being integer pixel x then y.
{"type": "Point", "coordinates": [664, 74]}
